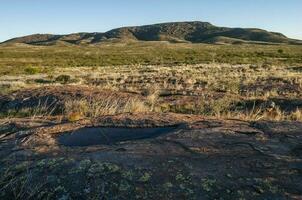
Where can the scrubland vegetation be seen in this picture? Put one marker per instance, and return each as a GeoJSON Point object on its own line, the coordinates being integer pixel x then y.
{"type": "Point", "coordinates": [34, 59]}
{"type": "Point", "coordinates": [249, 82]}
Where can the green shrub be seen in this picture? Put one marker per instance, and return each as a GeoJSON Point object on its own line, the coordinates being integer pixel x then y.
{"type": "Point", "coordinates": [43, 81]}
{"type": "Point", "coordinates": [32, 70]}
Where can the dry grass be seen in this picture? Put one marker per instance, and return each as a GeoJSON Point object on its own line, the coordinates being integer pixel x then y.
{"type": "Point", "coordinates": [296, 115]}
{"type": "Point", "coordinates": [92, 108]}
{"type": "Point", "coordinates": [205, 89]}
{"type": "Point", "coordinates": [152, 97]}
{"type": "Point", "coordinates": [259, 114]}
{"type": "Point", "coordinates": [43, 109]}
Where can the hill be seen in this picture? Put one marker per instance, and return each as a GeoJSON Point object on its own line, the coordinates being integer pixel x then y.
{"type": "Point", "coordinates": [193, 32]}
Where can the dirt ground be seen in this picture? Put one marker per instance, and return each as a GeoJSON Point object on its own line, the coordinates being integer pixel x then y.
{"type": "Point", "coordinates": [199, 159]}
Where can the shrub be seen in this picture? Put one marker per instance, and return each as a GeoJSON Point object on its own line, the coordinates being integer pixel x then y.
{"type": "Point", "coordinates": [64, 79]}
{"type": "Point", "coordinates": [43, 81]}
{"type": "Point", "coordinates": [216, 107]}
{"type": "Point", "coordinates": [32, 70]}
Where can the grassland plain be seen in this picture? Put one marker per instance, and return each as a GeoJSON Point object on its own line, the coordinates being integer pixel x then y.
{"type": "Point", "coordinates": [212, 80]}
{"type": "Point", "coordinates": [15, 59]}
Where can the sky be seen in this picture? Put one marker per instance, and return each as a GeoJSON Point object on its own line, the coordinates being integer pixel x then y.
{"type": "Point", "coordinates": [25, 17]}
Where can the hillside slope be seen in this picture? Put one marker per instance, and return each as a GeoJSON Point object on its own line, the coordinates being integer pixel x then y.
{"type": "Point", "coordinates": [194, 32]}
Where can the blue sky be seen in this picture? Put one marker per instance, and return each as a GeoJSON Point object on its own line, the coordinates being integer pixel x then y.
{"type": "Point", "coordinates": [24, 17]}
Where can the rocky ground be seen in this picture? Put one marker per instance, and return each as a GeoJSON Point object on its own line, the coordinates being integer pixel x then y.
{"type": "Point", "coordinates": [196, 158]}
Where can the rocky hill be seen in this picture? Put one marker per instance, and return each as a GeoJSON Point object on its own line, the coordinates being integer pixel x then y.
{"type": "Point", "coordinates": [194, 32]}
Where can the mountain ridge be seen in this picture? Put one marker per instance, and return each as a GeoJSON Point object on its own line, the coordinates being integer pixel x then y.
{"type": "Point", "coordinates": [192, 32]}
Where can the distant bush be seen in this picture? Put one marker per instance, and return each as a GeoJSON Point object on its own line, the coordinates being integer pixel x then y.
{"type": "Point", "coordinates": [64, 79]}
{"type": "Point", "coordinates": [32, 70]}
{"type": "Point", "coordinates": [280, 51]}
{"type": "Point", "coordinates": [43, 81]}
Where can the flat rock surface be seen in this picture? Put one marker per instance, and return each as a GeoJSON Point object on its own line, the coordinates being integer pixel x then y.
{"type": "Point", "coordinates": [196, 159]}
